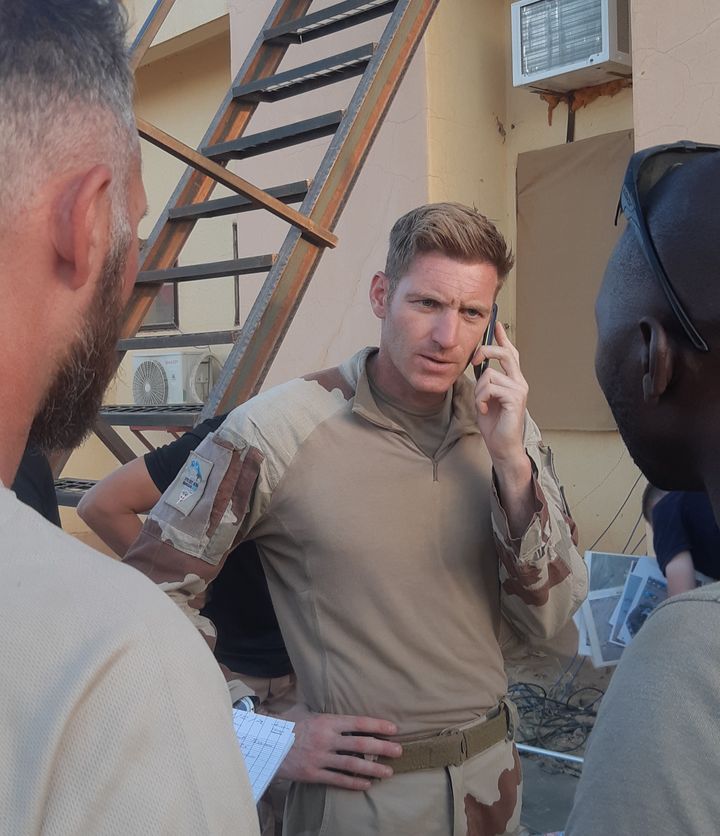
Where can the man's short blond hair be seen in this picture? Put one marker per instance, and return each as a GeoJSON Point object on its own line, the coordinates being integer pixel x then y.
{"type": "Point", "coordinates": [451, 229]}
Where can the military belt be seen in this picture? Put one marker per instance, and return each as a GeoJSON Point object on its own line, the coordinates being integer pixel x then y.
{"type": "Point", "coordinates": [452, 747]}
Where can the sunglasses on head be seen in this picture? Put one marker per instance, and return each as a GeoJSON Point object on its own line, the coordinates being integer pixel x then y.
{"type": "Point", "coordinates": [645, 170]}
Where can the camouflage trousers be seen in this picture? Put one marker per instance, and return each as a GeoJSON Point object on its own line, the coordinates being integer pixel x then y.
{"type": "Point", "coordinates": [482, 797]}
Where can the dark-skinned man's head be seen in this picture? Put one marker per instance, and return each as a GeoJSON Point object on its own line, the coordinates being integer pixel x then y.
{"type": "Point", "coordinates": [664, 391]}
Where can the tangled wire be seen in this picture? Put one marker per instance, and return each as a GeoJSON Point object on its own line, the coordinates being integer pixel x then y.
{"type": "Point", "coordinates": [560, 719]}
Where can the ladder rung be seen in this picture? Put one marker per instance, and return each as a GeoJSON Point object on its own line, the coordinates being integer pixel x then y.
{"type": "Point", "coordinates": [275, 139]}
{"type": "Point", "coordinates": [179, 340]}
{"type": "Point", "coordinates": [328, 20]}
{"type": "Point", "coordinates": [290, 193]}
{"type": "Point", "coordinates": [168, 415]}
{"type": "Point", "coordinates": [69, 492]}
{"type": "Point", "coordinates": [308, 77]}
{"type": "Point", "coordinates": [213, 270]}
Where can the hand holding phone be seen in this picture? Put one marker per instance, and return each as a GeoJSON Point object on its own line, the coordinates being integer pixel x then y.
{"type": "Point", "coordinates": [486, 340]}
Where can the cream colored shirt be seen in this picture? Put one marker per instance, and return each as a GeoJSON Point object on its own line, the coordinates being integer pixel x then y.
{"type": "Point", "coordinates": [653, 762]}
{"type": "Point", "coordinates": [114, 717]}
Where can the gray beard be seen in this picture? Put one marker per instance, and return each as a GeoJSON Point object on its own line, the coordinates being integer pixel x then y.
{"type": "Point", "coordinates": [72, 402]}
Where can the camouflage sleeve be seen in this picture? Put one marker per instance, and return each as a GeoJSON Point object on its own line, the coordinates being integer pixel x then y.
{"type": "Point", "coordinates": [543, 578]}
{"type": "Point", "coordinates": [207, 510]}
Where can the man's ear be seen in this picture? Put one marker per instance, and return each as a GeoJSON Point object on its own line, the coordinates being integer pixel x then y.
{"type": "Point", "coordinates": [80, 226]}
{"type": "Point", "coordinates": [379, 289]}
{"type": "Point", "coordinates": [657, 359]}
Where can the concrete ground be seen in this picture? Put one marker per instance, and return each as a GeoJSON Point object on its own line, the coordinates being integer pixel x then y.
{"type": "Point", "coordinates": [547, 797]}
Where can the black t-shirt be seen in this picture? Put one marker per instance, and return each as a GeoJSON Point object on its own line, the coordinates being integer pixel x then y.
{"type": "Point", "coordinates": [239, 604]}
{"type": "Point", "coordinates": [684, 521]}
{"type": "Point", "coordinates": [34, 484]}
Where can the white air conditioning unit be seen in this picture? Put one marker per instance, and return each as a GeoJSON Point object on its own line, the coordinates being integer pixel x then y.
{"type": "Point", "coordinates": [562, 45]}
{"type": "Point", "coordinates": [173, 378]}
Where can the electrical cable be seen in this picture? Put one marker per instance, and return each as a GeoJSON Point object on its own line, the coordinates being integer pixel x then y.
{"type": "Point", "coordinates": [638, 544]}
{"type": "Point", "coordinates": [564, 673]}
{"type": "Point", "coordinates": [583, 659]}
{"type": "Point", "coordinates": [632, 534]}
{"type": "Point", "coordinates": [562, 725]}
{"type": "Point", "coordinates": [619, 511]}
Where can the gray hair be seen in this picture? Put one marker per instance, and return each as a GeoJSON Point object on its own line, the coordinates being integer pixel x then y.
{"type": "Point", "coordinates": [65, 92]}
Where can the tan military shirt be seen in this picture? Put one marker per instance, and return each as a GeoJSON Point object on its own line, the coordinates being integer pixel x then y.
{"type": "Point", "coordinates": [388, 569]}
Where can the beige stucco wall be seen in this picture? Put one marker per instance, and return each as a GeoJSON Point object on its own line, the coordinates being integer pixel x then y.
{"type": "Point", "coordinates": [676, 69]}
{"type": "Point", "coordinates": [184, 26]}
{"type": "Point", "coordinates": [181, 94]}
{"type": "Point", "coordinates": [595, 467]}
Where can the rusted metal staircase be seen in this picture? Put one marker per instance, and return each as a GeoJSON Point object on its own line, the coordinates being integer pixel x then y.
{"type": "Point", "coordinates": [380, 68]}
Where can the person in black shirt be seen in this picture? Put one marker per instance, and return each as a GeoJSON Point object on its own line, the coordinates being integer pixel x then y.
{"type": "Point", "coordinates": [249, 641]}
{"type": "Point", "coordinates": [686, 539]}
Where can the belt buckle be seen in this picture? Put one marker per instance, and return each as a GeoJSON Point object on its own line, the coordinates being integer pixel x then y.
{"type": "Point", "coordinates": [464, 748]}
{"type": "Point", "coordinates": [460, 743]}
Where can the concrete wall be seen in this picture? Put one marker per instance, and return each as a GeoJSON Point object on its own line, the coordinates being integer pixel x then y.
{"type": "Point", "coordinates": [676, 69]}
{"type": "Point", "coordinates": [181, 94]}
{"type": "Point", "coordinates": [186, 24]}
{"type": "Point", "coordinates": [597, 471]}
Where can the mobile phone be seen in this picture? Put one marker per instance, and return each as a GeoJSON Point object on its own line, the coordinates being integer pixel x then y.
{"type": "Point", "coordinates": [486, 340]}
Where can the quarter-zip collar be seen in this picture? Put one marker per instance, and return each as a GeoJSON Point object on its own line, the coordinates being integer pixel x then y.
{"type": "Point", "coordinates": [462, 421]}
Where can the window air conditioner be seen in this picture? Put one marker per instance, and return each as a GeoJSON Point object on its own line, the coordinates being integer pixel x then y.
{"type": "Point", "coordinates": [173, 378]}
{"type": "Point", "coordinates": [562, 45]}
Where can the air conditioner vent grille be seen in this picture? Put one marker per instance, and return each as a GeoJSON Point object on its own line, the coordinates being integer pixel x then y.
{"type": "Point", "coordinates": [150, 384]}
{"type": "Point", "coordinates": [559, 32]}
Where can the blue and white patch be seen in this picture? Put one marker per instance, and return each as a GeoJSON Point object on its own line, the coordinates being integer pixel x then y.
{"type": "Point", "coordinates": [189, 485]}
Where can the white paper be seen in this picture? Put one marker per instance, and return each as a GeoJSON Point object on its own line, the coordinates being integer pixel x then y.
{"type": "Point", "coordinates": [597, 610]}
{"type": "Point", "coordinates": [623, 590]}
{"type": "Point", "coordinates": [584, 648]}
{"type": "Point", "coordinates": [607, 576]}
{"type": "Point", "coordinates": [264, 742]}
{"type": "Point", "coordinates": [632, 584]}
{"type": "Point", "coordinates": [645, 568]}
{"type": "Point", "coordinates": [617, 617]}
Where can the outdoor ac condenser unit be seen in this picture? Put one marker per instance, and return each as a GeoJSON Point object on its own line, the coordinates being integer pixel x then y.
{"type": "Point", "coordinates": [173, 378]}
{"type": "Point", "coordinates": [562, 45]}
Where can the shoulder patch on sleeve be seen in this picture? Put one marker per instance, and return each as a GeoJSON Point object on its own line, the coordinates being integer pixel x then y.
{"type": "Point", "coordinates": [189, 485]}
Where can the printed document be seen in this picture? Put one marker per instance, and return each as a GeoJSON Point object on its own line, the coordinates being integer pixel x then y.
{"type": "Point", "coordinates": [264, 742]}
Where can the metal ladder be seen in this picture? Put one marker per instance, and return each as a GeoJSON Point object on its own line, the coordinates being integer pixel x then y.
{"type": "Point", "coordinates": [380, 68]}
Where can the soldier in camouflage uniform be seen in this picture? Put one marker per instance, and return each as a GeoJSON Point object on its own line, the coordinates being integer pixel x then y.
{"type": "Point", "coordinates": [400, 510]}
